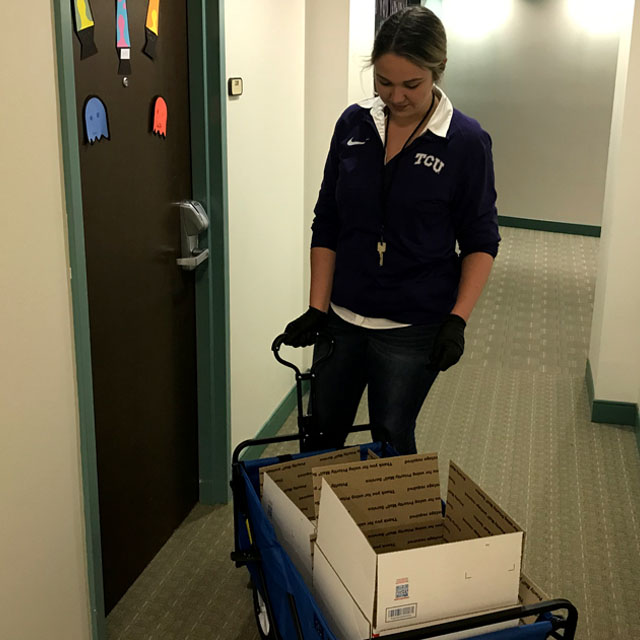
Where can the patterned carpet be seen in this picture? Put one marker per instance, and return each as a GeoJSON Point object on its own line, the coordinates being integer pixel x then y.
{"type": "Point", "coordinates": [514, 414]}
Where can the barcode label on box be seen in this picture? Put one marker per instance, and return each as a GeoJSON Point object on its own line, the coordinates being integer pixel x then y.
{"type": "Point", "coordinates": [402, 613]}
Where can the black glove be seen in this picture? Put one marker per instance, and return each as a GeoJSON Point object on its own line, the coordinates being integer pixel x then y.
{"type": "Point", "coordinates": [302, 331]}
{"type": "Point", "coordinates": [449, 343]}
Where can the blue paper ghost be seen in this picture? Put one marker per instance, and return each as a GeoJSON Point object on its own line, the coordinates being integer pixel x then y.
{"type": "Point", "coordinates": [95, 120]}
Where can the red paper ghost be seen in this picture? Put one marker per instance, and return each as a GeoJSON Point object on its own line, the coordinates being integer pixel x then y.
{"type": "Point", "coordinates": [160, 117]}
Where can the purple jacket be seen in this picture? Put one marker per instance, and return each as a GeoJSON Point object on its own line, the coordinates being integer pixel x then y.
{"type": "Point", "coordinates": [439, 190]}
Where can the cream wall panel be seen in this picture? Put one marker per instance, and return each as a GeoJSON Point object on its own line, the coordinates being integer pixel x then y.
{"type": "Point", "coordinates": [362, 24]}
{"type": "Point", "coordinates": [326, 96]}
{"type": "Point", "coordinates": [265, 137]}
{"type": "Point", "coordinates": [614, 352]}
{"type": "Point", "coordinates": [542, 86]}
{"type": "Point", "coordinates": [42, 554]}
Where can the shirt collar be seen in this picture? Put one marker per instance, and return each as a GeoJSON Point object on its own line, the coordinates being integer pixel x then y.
{"type": "Point", "coordinates": [438, 123]}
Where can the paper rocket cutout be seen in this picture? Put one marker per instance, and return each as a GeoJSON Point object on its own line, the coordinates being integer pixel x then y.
{"type": "Point", "coordinates": [95, 120]}
{"type": "Point", "coordinates": [84, 28]}
{"type": "Point", "coordinates": [151, 28]}
{"type": "Point", "coordinates": [123, 42]}
{"type": "Point", "coordinates": [160, 117]}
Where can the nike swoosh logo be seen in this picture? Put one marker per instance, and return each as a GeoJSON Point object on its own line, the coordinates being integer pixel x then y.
{"type": "Point", "coordinates": [352, 142]}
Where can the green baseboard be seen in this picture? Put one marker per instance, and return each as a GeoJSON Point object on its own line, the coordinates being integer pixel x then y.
{"type": "Point", "coordinates": [608, 411]}
{"type": "Point", "coordinates": [638, 427]}
{"type": "Point", "coordinates": [614, 412]}
{"type": "Point", "coordinates": [547, 225]}
{"type": "Point", "coordinates": [273, 424]}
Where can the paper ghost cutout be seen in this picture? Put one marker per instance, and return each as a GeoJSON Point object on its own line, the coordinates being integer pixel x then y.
{"type": "Point", "coordinates": [95, 120]}
{"type": "Point", "coordinates": [160, 117]}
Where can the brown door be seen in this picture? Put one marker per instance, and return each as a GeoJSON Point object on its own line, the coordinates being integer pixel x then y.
{"type": "Point", "coordinates": [141, 304]}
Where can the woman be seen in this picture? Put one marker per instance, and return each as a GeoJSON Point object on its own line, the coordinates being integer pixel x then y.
{"type": "Point", "coordinates": [407, 176]}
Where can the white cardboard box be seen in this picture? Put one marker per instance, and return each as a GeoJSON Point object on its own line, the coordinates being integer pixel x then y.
{"type": "Point", "coordinates": [288, 500]}
{"type": "Point", "coordinates": [349, 623]}
{"type": "Point", "coordinates": [381, 530]}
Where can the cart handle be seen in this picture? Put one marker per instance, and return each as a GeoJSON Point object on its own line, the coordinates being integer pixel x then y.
{"type": "Point", "coordinates": [279, 341]}
{"type": "Point", "coordinates": [259, 442]}
{"type": "Point", "coordinates": [254, 442]}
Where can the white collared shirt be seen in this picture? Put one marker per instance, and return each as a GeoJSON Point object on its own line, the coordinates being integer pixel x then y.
{"type": "Point", "coordinates": [438, 123]}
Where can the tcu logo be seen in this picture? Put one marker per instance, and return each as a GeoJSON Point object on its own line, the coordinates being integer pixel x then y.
{"type": "Point", "coordinates": [429, 161]}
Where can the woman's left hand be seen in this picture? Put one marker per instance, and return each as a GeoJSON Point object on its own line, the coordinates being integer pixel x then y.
{"type": "Point", "coordinates": [448, 346]}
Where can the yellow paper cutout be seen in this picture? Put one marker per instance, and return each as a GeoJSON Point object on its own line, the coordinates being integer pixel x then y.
{"type": "Point", "coordinates": [152, 16]}
{"type": "Point", "coordinates": [85, 21]}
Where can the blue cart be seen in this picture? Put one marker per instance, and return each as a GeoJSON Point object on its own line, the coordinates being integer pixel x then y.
{"type": "Point", "coordinates": [285, 608]}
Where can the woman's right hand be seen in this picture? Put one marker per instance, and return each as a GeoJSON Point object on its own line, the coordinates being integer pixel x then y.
{"type": "Point", "coordinates": [302, 331]}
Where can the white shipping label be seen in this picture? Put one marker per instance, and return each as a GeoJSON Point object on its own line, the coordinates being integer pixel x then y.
{"type": "Point", "coordinates": [405, 612]}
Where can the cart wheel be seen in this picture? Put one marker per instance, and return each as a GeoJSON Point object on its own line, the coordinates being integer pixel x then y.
{"type": "Point", "coordinates": [262, 617]}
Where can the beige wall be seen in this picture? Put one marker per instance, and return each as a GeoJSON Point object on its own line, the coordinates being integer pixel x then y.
{"type": "Point", "coordinates": [542, 86]}
{"type": "Point", "coordinates": [326, 90]}
{"type": "Point", "coordinates": [265, 138]}
{"type": "Point", "coordinates": [362, 25]}
{"type": "Point", "coordinates": [43, 584]}
{"type": "Point", "coordinates": [614, 352]}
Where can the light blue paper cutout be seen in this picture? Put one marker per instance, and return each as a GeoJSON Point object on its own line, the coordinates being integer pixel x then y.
{"type": "Point", "coordinates": [122, 26]}
{"type": "Point", "coordinates": [95, 120]}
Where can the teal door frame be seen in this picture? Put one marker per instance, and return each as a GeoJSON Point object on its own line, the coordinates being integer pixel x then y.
{"type": "Point", "coordinates": [209, 186]}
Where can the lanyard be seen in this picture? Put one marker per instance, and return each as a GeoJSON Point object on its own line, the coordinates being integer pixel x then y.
{"type": "Point", "coordinates": [389, 172]}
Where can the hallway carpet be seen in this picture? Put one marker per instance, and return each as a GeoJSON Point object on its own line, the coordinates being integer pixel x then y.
{"type": "Point", "coordinates": [514, 414]}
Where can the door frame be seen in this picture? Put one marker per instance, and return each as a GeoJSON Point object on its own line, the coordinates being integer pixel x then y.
{"type": "Point", "coordinates": [209, 185]}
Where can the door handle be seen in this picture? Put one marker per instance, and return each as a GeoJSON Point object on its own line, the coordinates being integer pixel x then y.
{"type": "Point", "coordinates": [193, 221]}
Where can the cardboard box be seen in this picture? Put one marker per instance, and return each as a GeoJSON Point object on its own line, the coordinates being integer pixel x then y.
{"type": "Point", "coordinates": [380, 529]}
{"type": "Point", "coordinates": [288, 500]}
{"type": "Point", "coordinates": [349, 623]}
{"type": "Point", "coordinates": [295, 477]}
{"type": "Point", "coordinates": [528, 593]}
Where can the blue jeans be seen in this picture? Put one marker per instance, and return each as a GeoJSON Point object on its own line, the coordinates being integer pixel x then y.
{"type": "Point", "coordinates": [394, 363]}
